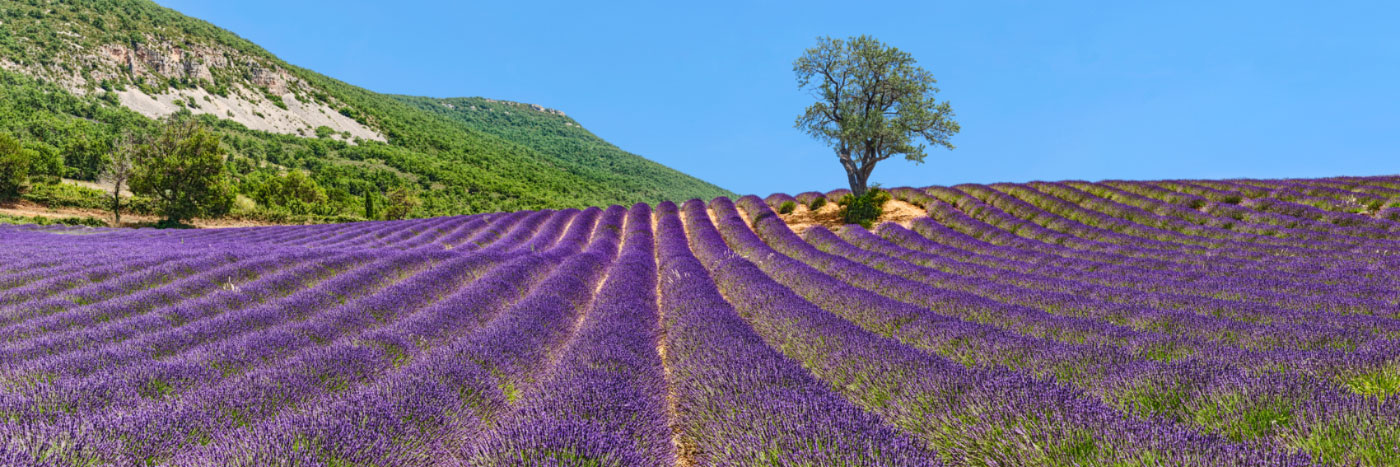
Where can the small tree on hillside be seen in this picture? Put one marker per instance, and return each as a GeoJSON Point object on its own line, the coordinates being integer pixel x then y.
{"type": "Point", "coordinates": [182, 170]}
{"type": "Point", "coordinates": [14, 167]}
{"type": "Point", "coordinates": [873, 102]}
{"type": "Point", "coordinates": [402, 201]}
{"type": "Point", "coordinates": [118, 171]}
{"type": "Point", "coordinates": [370, 212]}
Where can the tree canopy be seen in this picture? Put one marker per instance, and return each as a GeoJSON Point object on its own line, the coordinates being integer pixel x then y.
{"type": "Point", "coordinates": [182, 169]}
{"type": "Point", "coordinates": [14, 167]}
{"type": "Point", "coordinates": [873, 102]}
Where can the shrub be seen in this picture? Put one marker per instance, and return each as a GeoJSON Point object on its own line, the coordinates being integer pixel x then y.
{"type": "Point", "coordinates": [67, 195]}
{"type": "Point", "coordinates": [14, 167]}
{"type": "Point", "coordinates": [817, 203]}
{"type": "Point", "coordinates": [864, 209]}
{"type": "Point", "coordinates": [41, 220]}
{"type": "Point", "coordinates": [787, 207]}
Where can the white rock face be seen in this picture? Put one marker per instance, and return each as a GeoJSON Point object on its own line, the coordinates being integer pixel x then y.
{"type": "Point", "coordinates": [246, 102]}
{"type": "Point", "coordinates": [299, 118]}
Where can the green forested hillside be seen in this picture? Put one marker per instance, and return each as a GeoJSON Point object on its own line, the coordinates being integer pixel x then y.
{"type": "Point", "coordinates": [68, 67]}
{"type": "Point", "coordinates": [613, 173]}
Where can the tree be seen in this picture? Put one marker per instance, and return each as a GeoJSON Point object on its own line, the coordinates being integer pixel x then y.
{"type": "Point", "coordinates": [874, 102]}
{"type": "Point", "coordinates": [85, 157]}
{"type": "Point", "coordinates": [402, 201]}
{"type": "Point", "coordinates": [118, 171]}
{"type": "Point", "coordinates": [296, 192]}
{"type": "Point", "coordinates": [14, 167]}
{"type": "Point", "coordinates": [370, 212]}
{"type": "Point", "coordinates": [182, 170]}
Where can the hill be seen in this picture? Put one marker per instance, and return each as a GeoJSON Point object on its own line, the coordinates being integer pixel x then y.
{"type": "Point", "coordinates": [75, 74]}
{"type": "Point", "coordinates": [1181, 322]}
{"type": "Point", "coordinates": [566, 144]}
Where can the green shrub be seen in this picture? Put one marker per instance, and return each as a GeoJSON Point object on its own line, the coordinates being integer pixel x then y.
{"type": "Point", "coordinates": [41, 220]}
{"type": "Point", "coordinates": [817, 204]}
{"type": "Point", "coordinates": [864, 209]}
{"type": "Point", "coordinates": [14, 167]}
{"type": "Point", "coordinates": [68, 195]}
{"type": "Point", "coordinates": [787, 207]}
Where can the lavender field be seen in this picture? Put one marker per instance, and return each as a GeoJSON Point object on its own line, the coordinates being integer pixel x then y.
{"type": "Point", "coordinates": [1116, 323]}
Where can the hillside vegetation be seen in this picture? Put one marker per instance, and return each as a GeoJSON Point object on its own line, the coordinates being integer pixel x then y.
{"type": "Point", "coordinates": [74, 75]}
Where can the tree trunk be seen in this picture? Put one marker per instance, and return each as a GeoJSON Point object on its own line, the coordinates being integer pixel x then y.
{"type": "Point", "coordinates": [857, 185]}
{"type": "Point", "coordinates": [853, 174]}
{"type": "Point", "coordinates": [117, 204]}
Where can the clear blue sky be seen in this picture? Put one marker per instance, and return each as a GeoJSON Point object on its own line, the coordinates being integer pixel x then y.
{"type": "Point", "coordinates": [1043, 90]}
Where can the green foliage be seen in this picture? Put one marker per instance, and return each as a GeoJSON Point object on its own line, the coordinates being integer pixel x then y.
{"type": "Point", "coordinates": [602, 173]}
{"type": "Point", "coordinates": [295, 192]}
{"type": "Point", "coordinates": [401, 202]}
{"type": "Point", "coordinates": [14, 167]}
{"type": "Point", "coordinates": [67, 195]}
{"type": "Point", "coordinates": [41, 220]}
{"type": "Point", "coordinates": [371, 211]}
{"type": "Point", "coordinates": [455, 163]}
{"type": "Point", "coordinates": [84, 157]}
{"type": "Point", "coordinates": [182, 170]}
{"type": "Point", "coordinates": [787, 207]}
{"type": "Point", "coordinates": [864, 209]}
{"type": "Point", "coordinates": [817, 204]}
{"type": "Point", "coordinates": [874, 102]}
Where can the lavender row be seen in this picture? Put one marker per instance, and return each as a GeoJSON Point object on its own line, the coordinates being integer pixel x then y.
{"type": "Point", "coordinates": [935, 398]}
{"type": "Point", "coordinates": [1078, 251]}
{"type": "Point", "coordinates": [738, 401]}
{"type": "Point", "coordinates": [604, 401]}
{"type": "Point", "coordinates": [1122, 377]}
{"type": "Point", "coordinates": [430, 407]}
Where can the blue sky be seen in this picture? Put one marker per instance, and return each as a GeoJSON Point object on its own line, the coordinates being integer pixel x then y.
{"type": "Point", "coordinates": [1043, 90]}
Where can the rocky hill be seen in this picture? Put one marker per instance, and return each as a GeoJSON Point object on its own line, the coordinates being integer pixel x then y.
{"type": "Point", "coordinates": [76, 73]}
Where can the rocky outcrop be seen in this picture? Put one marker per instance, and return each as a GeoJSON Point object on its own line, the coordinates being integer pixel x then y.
{"type": "Point", "coordinates": [247, 86]}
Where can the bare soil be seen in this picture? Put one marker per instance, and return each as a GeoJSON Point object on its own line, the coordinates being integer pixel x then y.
{"type": "Point", "coordinates": [829, 216]}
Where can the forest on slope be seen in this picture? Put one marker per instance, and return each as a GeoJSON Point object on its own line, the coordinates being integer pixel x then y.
{"type": "Point", "coordinates": [75, 76]}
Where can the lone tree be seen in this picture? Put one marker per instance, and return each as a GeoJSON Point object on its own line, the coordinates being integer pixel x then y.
{"type": "Point", "coordinates": [118, 172]}
{"type": "Point", "coordinates": [873, 103]}
{"type": "Point", "coordinates": [182, 170]}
